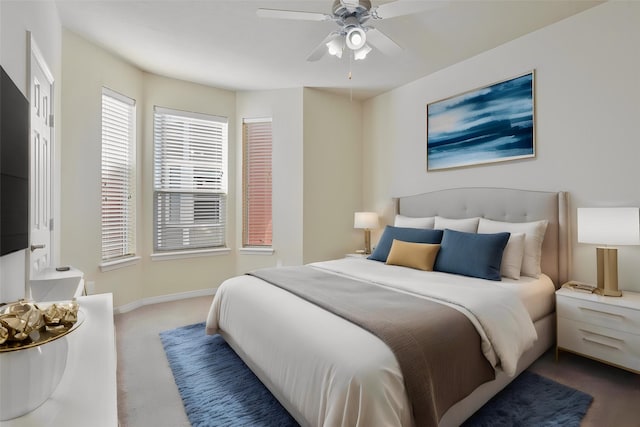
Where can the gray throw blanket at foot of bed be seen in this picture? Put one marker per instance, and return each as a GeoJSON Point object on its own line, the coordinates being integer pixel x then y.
{"type": "Point", "coordinates": [437, 347]}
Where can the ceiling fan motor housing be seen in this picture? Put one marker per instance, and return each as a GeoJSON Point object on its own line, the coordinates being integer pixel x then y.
{"type": "Point", "coordinates": [346, 8]}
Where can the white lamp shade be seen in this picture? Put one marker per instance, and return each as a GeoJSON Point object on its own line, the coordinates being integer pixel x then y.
{"type": "Point", "coordinates": [609, 226]}
{"type": "Point", "coordinates": [366, 220]}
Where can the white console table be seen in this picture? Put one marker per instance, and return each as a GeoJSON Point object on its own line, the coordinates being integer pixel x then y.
{"type": "Point", "coordinates": [87, 393]}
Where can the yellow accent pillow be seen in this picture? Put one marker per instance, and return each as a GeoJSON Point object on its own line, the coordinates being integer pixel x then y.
{"type": "Point", "coordinates": [420, 256]}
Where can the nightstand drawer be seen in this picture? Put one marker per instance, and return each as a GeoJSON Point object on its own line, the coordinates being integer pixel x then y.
{"type": "Point", "coordinates": [616, 347]}
{"type": "Point", "coordinates": [596, 313]}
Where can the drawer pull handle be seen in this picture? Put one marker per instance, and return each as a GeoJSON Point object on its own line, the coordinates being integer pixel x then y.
{"type": "Point", "coordinates": [604, 313]}
{"type": "Point", "coordinates": [600, 343]}
{"type": "Point", "coordinates": [601, 335]}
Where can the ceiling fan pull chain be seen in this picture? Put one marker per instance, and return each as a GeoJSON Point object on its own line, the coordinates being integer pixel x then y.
{"type": "Point", "coordinates": [350, 80]}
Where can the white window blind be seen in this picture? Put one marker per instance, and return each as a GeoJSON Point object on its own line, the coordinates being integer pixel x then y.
{"type": "Point", "coordinates": [190, 180]}
{"type": "Point", "coordinates": [256, 160]}
{"type": "Point", "coordinates": [118, 176]}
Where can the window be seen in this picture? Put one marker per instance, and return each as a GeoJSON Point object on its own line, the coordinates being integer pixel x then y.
{"type": "Point", "coordinates": [256, 200]}
{"type": "Point", "coordinates": [118, 176]}
{"type": "Point", "coordinates": [190, 180]}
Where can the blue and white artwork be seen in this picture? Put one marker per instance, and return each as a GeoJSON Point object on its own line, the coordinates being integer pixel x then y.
{"type": "Point", "coordinates": [490, 124]}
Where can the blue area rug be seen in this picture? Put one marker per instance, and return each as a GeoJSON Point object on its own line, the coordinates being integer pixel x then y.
{"type": "Point", "coordinates": [219, 390]}
{"type": "Point", "coordinates": [533, 401]}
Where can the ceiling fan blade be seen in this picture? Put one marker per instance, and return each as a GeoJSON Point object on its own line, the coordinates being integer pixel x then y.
{"type": "Point", "coordinates": [382, 42]}
{"type": "Point", "coordinates": [292, 14]}
{"type": "Point", "coordinates": [321, 49]}
{"type": "Point", "coordinates": [404, 7]}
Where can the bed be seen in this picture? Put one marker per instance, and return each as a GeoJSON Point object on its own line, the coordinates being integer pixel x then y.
{"type": "Point", "coordinates": [327, 371]}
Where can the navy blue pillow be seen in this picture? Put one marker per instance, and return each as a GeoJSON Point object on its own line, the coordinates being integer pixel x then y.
{"type": "Point", "coordinates": [414, 235]}
{"type": "Point", "coordinates": [471, 254]}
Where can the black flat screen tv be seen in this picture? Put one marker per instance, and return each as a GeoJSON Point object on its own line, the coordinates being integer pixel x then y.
{"type": "Point", "coordinates": [14, 167]}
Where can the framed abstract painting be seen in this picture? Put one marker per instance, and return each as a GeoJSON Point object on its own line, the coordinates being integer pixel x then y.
{"type": "Point", "coordinates": [495, 123]}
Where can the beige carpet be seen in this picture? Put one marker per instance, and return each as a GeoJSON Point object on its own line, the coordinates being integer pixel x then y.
{"type": "Point", "coordinates": [147, 394]}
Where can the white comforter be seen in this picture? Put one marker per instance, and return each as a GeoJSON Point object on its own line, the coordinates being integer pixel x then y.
{"type": "Point", "coordinates": [329, 372]}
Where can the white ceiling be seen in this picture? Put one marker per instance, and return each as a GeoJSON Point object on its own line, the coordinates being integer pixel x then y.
{"type": "Point", "coordinates": [223, 43]}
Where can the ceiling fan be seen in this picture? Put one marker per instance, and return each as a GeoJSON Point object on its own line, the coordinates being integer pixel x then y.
{"type": "Point", "coordinates": [352, 18]}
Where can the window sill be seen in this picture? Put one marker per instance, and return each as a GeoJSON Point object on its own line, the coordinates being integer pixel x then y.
{"type": "Point", "coordinates": [196, 253]}
{"type": "Point", "coordinates": [256, 251]}
{"type": "Point", "coordinates": [117, 264]}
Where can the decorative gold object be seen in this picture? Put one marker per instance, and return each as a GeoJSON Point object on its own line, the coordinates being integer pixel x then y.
{"type": "Point", "coordinates": [23, 324]}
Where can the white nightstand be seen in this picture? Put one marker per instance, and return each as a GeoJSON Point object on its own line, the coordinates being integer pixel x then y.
{"type": "Point", "coordinates": [606, 329]}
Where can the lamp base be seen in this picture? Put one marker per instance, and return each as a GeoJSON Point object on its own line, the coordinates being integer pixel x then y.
{"type": "Point", "coordinates": [607, 272]}
{"type": "Point", "coordinates": [367, 241]}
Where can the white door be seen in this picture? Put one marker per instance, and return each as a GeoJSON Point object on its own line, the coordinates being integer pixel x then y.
{"type": "Point", "coordinates": [42, 131]}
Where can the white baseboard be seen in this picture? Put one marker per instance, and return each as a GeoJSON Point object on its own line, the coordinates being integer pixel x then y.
{"type": "Point", "coordinates": [162, 298]}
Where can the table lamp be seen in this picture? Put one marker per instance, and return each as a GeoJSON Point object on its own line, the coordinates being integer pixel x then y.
{"type": "Point", "coordinates": [366, 221]}
{"type": "Point", "coordinates": [609, 227]}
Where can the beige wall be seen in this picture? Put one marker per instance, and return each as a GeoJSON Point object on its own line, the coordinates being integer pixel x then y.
{"type": "Point", "coordinates": [332, 175]}
{"type": "Point", "coordinates": [86, 69]}
{"type": "Point", "coordinates": [587, 90]}
{"type": "Point", "coordinates": [41, 19]}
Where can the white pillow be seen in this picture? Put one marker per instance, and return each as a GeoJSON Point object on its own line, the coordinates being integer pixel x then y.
{"type": "Point", "coordinates": [468, 225]}
{"type": "Point", "coordinates": [413, 222]}
{"type": "Point", "coordinates": [534, 235]}
{"type": "Point", "coordinates": [512, 256]}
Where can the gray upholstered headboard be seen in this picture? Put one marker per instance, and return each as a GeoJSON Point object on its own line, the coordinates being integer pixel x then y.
{"type": "Point", "coordinates": [503, 204]}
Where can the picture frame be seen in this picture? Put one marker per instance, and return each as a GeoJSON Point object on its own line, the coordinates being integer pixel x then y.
{"type": "Point", "coordinates": [493, 123]}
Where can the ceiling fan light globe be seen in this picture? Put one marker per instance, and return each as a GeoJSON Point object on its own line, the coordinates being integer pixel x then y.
{"type": "Point", "coordinates": [362, 52]}
{"type": "Point", "coordinates": [356, 38]}
{"type": "Point", "coordinates": [335, 47]}
{"type": "Point", "coordinates": [335, 51]}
